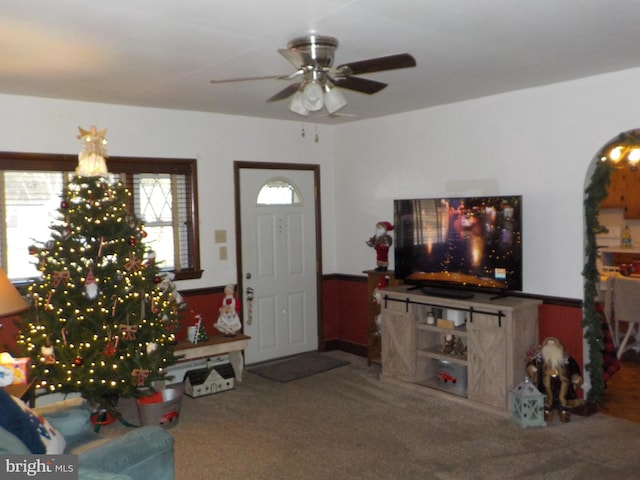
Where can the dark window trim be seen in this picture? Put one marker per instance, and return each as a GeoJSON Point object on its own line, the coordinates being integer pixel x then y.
{"type": "Point", "coordinates": [130, 165]}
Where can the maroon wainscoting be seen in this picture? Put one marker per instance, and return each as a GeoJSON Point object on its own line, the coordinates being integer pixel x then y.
{"type": "Point", "coordinates": [345, 308]}
{"type": "Point", "coordinates": [204, 302]}
{"type": "Point", "coordinates": [8, 334]}
{"type": "Point", "coordinates": [345, 317]}
{"type": "Point", "coordinates": [565, 323]}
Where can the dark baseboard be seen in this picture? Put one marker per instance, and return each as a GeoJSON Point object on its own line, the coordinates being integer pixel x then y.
{"type": "Point", "coordinates": [349, 347]}
{"type": "Point", "coordinates": [585, 410]}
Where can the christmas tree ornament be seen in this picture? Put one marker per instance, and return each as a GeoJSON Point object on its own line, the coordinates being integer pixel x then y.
{"type": "Point", "coordinates": [90, 286]}
{"type": "Point", "coordinates": [133, 264]}
{"type": "Point", "coordinates": [60, 276]}
{"type": "Point", "coordinates": [114, 298]}
{"type": "Point", "coordinates": [78, 361]}
{"type": "Point", "coordinates": [151, 347]}
{"type": "Point", "coordinates": [48, 355]}
{"type": "Point", "coordinates": [133, 241]}
{"type": "Point", "coordinates": [139, 376]}
{"type": "Point", "coordinates": [128, 331]}
{"type": "Point", "coordinates": [151, 261]}
{"type": "Point", "coordinates": [100, 247]}
{"type": "Point", "coordinates": [64, 204]}
{"type": "Point", "coordinates": [112, 346]}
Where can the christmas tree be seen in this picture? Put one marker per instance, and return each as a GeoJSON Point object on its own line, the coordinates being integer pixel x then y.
{"type": "Point", "coordinates": [102, 316]}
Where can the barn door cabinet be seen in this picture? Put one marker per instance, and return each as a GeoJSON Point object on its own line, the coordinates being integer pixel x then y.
{"type": "Point", "coordinates": [491, 338]}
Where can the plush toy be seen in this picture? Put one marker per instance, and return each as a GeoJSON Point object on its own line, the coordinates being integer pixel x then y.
{"type": "Point", "coordinates": [229, 321]}
{"type": "Point", "coordinates": [557, 375]}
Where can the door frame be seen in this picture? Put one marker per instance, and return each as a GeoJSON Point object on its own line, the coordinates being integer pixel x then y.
{"type": "Point", "coordinates": [315, 168]}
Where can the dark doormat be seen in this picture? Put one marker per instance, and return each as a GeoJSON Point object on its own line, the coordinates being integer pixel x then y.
{"type": "Point", "coordinates": [297, 367]}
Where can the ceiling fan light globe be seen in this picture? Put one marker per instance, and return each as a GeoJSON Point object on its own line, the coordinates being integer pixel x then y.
{"type": "Point", "coordinates": [297, 104]}
{"type": "Point", "coordinates": [334, 100]}
{"type": "Point", "coordinates": [313, 97]}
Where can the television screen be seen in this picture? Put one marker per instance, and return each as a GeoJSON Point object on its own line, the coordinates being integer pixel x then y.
{"type": "Point", "coordinates": [465, 242]}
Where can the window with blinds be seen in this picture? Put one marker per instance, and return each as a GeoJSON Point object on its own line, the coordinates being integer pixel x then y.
{"type": "Point", "coordinates": [163, 192]}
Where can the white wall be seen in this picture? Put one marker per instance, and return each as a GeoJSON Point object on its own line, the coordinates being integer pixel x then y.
{"type": "Point", "coordinates": [536, 142]}
{"type": "Point", "coordinates": [50, 126]}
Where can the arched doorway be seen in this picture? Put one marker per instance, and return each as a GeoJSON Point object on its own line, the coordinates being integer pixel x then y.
{"type": "Point", "coordinates": [620, 150]}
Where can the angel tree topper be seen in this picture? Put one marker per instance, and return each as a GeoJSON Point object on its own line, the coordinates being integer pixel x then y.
{"type": "Point", "coordinates": [91, 160]}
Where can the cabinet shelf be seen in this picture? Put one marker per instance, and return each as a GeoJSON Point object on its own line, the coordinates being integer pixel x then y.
{"type": "Point", "coordinates": [443, 386]}
{"type": "Point", "coordinates": [458, 331]}
{"type": "Point", "coordinates": [434, 352]}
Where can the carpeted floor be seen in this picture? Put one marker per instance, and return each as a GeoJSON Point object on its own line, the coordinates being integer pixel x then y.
{"type": "Point", "coordinates": [347, 424]}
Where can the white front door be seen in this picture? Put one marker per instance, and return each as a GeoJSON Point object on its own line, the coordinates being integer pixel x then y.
{"type": "Point", "coordinates": [278, 222]}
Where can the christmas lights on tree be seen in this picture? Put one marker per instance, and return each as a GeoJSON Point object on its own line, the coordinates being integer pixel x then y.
{"type": "Point", "coordinates": [102, 317]}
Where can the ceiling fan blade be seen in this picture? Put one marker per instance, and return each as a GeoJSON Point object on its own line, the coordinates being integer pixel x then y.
{"type": "Point", "coordinates": [390, 62]}
{"type": "Point", "coordinates": [248, 79]}
{"type": "Point", "coordinates": [285, 92]}
{"type": "Point", "coordinates": [298, 58]}
{"type": "Point", "coordinates": [363, 85]}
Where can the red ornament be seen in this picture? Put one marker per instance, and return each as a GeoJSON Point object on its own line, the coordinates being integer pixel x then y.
{"type": "Point", "coordinates": [78, 361]}
{"type": "Point", "coordinates": [64, 204]}
{"type": "Point", "coordinates": [143, 234]}
{"type": "Point", "coordinates": [157, 279]}
{"type": "Point", "coordinates": [133, 241]}
{"type": "Point", "coordinates": [109, 350]}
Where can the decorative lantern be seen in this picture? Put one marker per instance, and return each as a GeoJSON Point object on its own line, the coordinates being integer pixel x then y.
{"type": "Point", "coordinates": [528, 405]}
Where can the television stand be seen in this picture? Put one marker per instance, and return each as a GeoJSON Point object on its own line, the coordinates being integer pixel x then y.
{"type": "Point", "coordinates": [490, 350]}
{"type": "Point", "coordinates": [447, 293]}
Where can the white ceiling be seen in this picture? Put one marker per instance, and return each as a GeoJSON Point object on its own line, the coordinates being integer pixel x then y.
{"type": "Point", "coordinates": [162, 53]}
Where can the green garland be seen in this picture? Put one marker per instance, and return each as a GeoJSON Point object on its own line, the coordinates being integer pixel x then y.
{"type": "Point", "coordinates": [595, 193]}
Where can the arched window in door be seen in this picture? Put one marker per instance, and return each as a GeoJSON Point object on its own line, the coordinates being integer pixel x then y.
{"type": "Point", "coordinates": [279, 191]}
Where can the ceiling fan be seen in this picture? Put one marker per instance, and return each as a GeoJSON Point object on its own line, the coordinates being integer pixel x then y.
{"type": "Point", "coordinates": [316, 83]}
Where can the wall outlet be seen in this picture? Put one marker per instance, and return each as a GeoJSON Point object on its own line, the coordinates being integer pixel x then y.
{"type": "Point", "coordinates": [223, 253]}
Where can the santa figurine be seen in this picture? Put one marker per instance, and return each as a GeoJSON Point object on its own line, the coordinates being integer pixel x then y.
{"type": "Point", "coordinates": [229, 321]}
{"type": "Point", "coordinates": [557, 375]}
{"type": "Point", "coordinates": [381, 242]}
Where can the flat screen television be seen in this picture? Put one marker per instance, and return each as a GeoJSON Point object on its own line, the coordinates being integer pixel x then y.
{"type": "Point", "coordinates": [463, 243]}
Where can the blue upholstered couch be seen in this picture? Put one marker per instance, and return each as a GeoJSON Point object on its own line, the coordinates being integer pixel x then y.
{"type": "Point", "coordinates": [138, 454]}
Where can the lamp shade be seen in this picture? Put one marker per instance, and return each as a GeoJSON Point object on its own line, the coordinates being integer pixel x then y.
{"type": "Point", "coordinates": [297, 105]}
{"type": "Point", "coordinates": [11, 301]}
{"type": "Point", "coordinates": [333, 99]}
{"type": "Point", "coordinates": [312, 96]}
